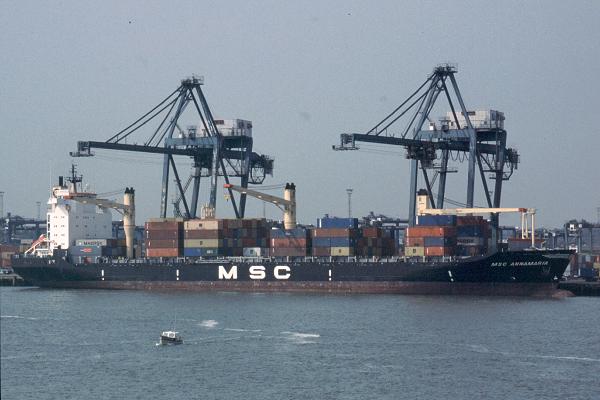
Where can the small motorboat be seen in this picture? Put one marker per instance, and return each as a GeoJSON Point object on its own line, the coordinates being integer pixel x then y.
{"type": "Point", "coordinates": [170, 337]}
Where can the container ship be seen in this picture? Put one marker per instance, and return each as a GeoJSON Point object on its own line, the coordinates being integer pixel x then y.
{"type": "Point", "coordinates": [443, 253]}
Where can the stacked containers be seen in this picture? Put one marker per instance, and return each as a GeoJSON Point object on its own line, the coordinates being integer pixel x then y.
{"type": "Point", "coordinates": [334, 237]}
{"type": "Point", "coordinates": [164, 237]}
{"type": "Point", "coordinates": [375, 242]}
{"type": "Point", "coordinates": [290, 242]}
{"type": "Point", "coordinates": [430, 241]}
{"type": "Point", "coordinates": [225, 237]}
{"type": "Point", "coordinates": [253, 235]}
{"type": "Point", "coordinates": [472, 234]}
{"type": "Point", "coordinates": [203, 238]}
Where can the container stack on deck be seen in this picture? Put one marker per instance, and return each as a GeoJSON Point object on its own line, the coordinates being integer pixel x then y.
{"type": "Point", "coordinates": [225, 237]}
{"type": "Point", "coordinates": [335, 237]}
{"type": "Point", "coordinates": [472, 234]}
{"type": "Point", "coordinates": [375, 242]}
{"type": "Point", "coordinates": [433, 237]}
{"type": "Point", "coordinates": [164, 237]}
{"type": "Point", "coordinates": [290, 242]}
{"type": "Point", "coordinates": [447, 235]}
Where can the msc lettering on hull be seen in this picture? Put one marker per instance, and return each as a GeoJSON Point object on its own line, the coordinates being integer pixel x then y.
{"type": "Point", "coordinates": [255, 272]}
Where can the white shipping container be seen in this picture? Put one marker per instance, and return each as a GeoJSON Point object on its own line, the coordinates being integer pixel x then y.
{"type": "Point", "coordinates": [90, 242]}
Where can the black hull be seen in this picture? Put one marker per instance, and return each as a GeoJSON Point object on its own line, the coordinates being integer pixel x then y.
{"type": "Point", "coordinates": [504, 273]}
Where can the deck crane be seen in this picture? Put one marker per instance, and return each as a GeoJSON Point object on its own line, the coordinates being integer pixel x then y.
{"type": "Point", "coordinates": [424, 208]}
{"type": "Point", "coordinates": [213, 154]}
{"type": "Point", "coordinates": [286, 204]}
{"type": "Point", "coordinates": [483, 147]}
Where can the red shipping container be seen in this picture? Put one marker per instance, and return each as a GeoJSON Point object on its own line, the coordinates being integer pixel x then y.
{"type": "Point", "coordinates": [288, 242]}
{"type": "Point", "coordinates": [334, 232]}
{"type": "Point", "coordinates": [163, 252]}
{"type": "Point", "coordinates": [439, 251]}
{"type": "Point", "coordinates": [414, 241]}
{"type": "Point", "coordinates": [288, 252]}
{"type": "Point", "coordinates": [469, 220]}
{"type": "Point", "coordinates": [321, 251]}
{"type": "Point", "coordinates": [372, 232]}
{"type": "Point", "coordinates": [204, 234]}
{"type": "Point", "coordinates": [166, 225]}
{"type": "Point", "coordinates": [163, 234]}
{"type": "Point", "coordinates": [422, 231]}
{"type": "Point", "coordinates": [163, 244]}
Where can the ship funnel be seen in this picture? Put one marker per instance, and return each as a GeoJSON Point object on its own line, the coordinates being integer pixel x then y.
{"type": "Point", "coordinates": [289, 214]}
{"type": "Point", "coordinates": [129, 220]}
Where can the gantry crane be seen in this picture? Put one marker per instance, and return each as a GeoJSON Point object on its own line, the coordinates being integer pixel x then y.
{"type": "Point", "coordinates": [287, 204]}
{"type": "Point", "coordinates": [485, 148]}
{"type": "Point", "coordinates": [213, 154]}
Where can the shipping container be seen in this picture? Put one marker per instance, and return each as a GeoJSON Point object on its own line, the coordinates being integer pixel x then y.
{"type": "Point", "coordinates": [163, 244]}
{"type": "Point", "coordinates": [163, 252]}
{"type": "Point", "coordinates": [342, 251]}
{"type": "Point", "coordinates": [414, 251]}
{"type": "Point", "coordinates": [321, 251]}
{"type": "Point", "coordinates": [204, 234]}
{"type": "Point", "coordinates": [206, 243]}
{"type": "Point", "coordinates": [255, 252]}
{"type": "Point", "coordinates": [289, 242]}
{"type": "Point", "coordinates": [337, 223]}
{"type": "Point", "coordinates": [294, 233]}
{"type": "Point", "coordinates": [333, 242]}
{"type": "Point", "coordinates": [288, 252]}
{"type": "Point", "coordinates": [91, 242]}
{"type": "Point", "coordinates": [469, 230]}
{"type": "Point", "coordinates": [163, 234]}
{"type": "Point", "coordinates": [414, 241]}
{"type": "Point", "coordinates": [334, 232]}
{"type": "Point", "coordinates": [469, 220]}
{"type": "Point", "coordinates": [436, 220]}
{"type": "Point", "coordinates": [197, 224]}
{"type": "Point", "coordinates": [372, 232]}
{"type": "Point", "coordinates": [166, 225]}
{"type": "Point", "coordinates": [202, 252]}
{"type": "Point", "coordinates": [423, 231]}
{"type": "Point", "coordinates": [470, 241]}
{"type": "Point", "coordinates": [439, 241]}
{"type": "Point", "coordinates": [439, 251]}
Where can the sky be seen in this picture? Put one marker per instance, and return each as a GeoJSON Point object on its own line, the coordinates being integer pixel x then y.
{"type": "Point", "coordinates": [303, 72]}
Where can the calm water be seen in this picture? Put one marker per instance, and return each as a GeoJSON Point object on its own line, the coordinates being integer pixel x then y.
{"type": "Point", "coordinates": [81, 344]}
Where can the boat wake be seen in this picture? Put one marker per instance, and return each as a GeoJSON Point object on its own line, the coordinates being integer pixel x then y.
{"type": "Point", "coordinates": [19, 317]}
{"type": "Point", "coordinates": [208, 323]}
{"type": "Point", "coordinates": [301, 338]}
{"type": "Point", "coordinates": [242, 330]}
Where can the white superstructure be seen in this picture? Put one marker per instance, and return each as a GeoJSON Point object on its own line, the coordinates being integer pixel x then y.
{"type": "Point", "coordinates": [69, 218]}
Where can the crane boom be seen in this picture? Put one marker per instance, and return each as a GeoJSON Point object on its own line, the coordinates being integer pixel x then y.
{"type": "Point", "coordinates": [287, 204]}
{"type": "Point", "coordinates": [127, 208]}
{"type": "Point", "coordinates": [278, 201]}
{"type": "Point", "coordinates": [424, 208]}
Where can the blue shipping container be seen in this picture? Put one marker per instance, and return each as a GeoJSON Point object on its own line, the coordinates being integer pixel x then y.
{"type": "Point", "coordinates": [200, 251]}
{"type": "Point", "coordinates": [337, 223]}
{"type": "Point", "coordinates": [469, 230]}
{"type": "Point", "coordinates": [439, 241]}
{"type": "Point", "coordinates": [436, 220]}
{"type": "Point", "coordinates": [333, 242]}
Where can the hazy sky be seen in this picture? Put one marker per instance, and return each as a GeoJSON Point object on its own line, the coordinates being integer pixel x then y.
{"type": "Point", "coordinates": [303, 72]}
